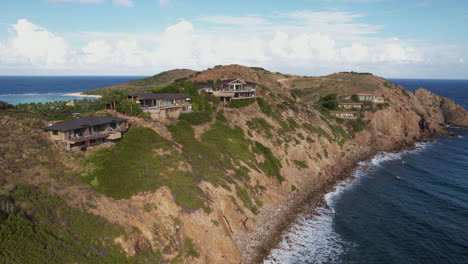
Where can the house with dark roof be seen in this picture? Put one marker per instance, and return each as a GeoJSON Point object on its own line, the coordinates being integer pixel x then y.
{"type": "Point", "coordinates": [163, 105]}
{"type": "Point", "coordinates": [235, 89]}
{"type": "Point", "coordinates": [5, 105]}
{"type": "Point", "coordinates": [87, 131]}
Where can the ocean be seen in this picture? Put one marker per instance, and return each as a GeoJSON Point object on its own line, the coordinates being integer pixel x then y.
{"type": "Point", "coordinates": [42, 89]}
{"type": "Point", "coordinates": [409, 207]}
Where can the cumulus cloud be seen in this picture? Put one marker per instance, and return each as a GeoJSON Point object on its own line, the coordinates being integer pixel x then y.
{"type": "Point", "coordinates": [289, 47]}
{"type": "Point", "coordinates": [164, 2]}
{"type": "Point", "coordinates": [124, 3]}
{"type": "Point", "coordinates": [37, 45]}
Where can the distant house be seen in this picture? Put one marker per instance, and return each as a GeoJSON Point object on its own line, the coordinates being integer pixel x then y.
{"type": "Point", "coordinates": [164, 105]}
{"type": "Point", "coordinates": [371, 98]}
{"type": "Point", "coordinates": [345, 105]}
{"type": "Point", "coordinates": [235, 89]}
{"type": "Point", "coordinates": [344, 114]}
{"type": "Point", "coordinates": [87, 131]}
{"type": "Point", "coordinates": [5, 105]}
{"type": "Point", "coordinates": [204, 86]}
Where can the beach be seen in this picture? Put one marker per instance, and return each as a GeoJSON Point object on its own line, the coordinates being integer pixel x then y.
{"type": "Point", "coordinates": [80, 94]}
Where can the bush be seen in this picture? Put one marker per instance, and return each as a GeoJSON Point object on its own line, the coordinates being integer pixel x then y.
{"type": "Point", "coordinates": [300, 164]}
{"type": "Point", "coordinates": [241, 103]}
{"type": "Point", "coordinates": [266, 108]}
{"type": "Point", "coordinates": [196, 118]}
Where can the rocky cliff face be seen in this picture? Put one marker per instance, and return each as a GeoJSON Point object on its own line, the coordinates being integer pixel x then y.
{"type": "Point", "coordinates": [314, 150]}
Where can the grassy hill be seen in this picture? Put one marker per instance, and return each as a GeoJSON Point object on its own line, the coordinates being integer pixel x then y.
{"type": "Point", "coordinates": [141, 85]}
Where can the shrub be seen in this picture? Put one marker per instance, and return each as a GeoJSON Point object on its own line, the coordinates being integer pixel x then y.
{"type": "Point", "coordinates": [196, 118]}
{"type": "Point", "coordinates": [271, 166]}
{"type": "Point", "coordinates": [241, 103]}
{"type": "Point", "coordinates": [245, 198]}
{"type": "Point", "coordinates": [300, 164]}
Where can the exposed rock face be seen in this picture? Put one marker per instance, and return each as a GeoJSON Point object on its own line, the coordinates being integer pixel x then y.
{"type": "Point", "coordinates": [442, 110]}
{"type": "Point", "coordinates": [231, 233]}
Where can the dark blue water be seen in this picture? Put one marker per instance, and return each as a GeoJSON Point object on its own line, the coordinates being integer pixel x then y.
{"type": "Point", "coordinates": [409, 207]}
{"type": "Point", "coordinates": [28, 89]}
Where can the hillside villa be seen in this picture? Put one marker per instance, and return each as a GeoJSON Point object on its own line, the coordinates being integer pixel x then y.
{"type": "Point", "coordinates": [164, 105]}
{"type": "Point", "coordinates": [345, 105]}
{"type": "Point", "coordinates": [344, 114]}
{"type": "Point", "coordinates": [371, 98]}
{"type": "Point", "coordinates": [235, 89]}
{"type": "Point", "coordinates": [87, 131]}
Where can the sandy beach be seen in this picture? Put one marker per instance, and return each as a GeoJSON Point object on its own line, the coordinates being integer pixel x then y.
{"type": "Point", "coordinates": [82, 95]}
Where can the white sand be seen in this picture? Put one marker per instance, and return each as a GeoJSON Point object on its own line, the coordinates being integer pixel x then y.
{"type": "Point", "coordinates": [82, 95]}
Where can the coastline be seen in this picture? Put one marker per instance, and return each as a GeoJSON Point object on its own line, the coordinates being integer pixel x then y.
{"type": "Point", "coordinates": [314, 197]}
{"type": "Point", "coordinates": [81, 94]}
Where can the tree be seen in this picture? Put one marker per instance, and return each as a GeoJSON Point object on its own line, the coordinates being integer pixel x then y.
{"type": "Point", "coordinates": [355, 98]}
{"type": "Point", "coordinates": [112, 99]}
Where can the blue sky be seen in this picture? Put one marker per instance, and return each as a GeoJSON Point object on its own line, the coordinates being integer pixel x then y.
{"type": "Point", "coordinates": [391, 38]}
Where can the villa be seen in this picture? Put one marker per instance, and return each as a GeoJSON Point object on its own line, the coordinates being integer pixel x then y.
{"type": "Point", "coordinates": [350, 105]}
{"type": "Point", "coordinates": [235, 89]}
{"type": "Point", "coordinates": [371, 98]}
{"type": "Point", "coordinates": [344, 114]}
{"type": "Point", "coordinates": [87, 131]}
{"type": "Point", "coordinates": [164, 105]}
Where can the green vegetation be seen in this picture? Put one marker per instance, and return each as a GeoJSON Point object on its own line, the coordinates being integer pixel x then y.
{"type": "Point", "coordinates": [134, 165]}
{"type": "Point", "coordinates": [260, 125]}
{"type": "Point", "coordinates": [297, 93]}
{"type": "Point", "coordinates": [266, 108]}
{"type": "Point", "coordinates": [117, 100]}
{"type": "Point", "coordinates": [245, 198]}
{"type": "Point", "coordinates": [241, 103]}
{"type": "Point", "coordinates": [294, 188]}
{"type": "Point", "coordinates": [55, 110]}
{"type": "Point", "coordinates": [300, 164]}
{"type": "Point", "coordinates": [220, 117]}
{"type": "Point", "coordinates": [355, 98]}
{"type": "Point", "coordinates": [358, 73]}
{"type": "Point", "coordinates": [357, 125]}
{"type": "Point", "coordinates": [40, 228]}
{"type": "Point", "coordinates": [329, 101]}
{"type": "Point", "coordinates": [389, 84]}
{"type": "Point", "coordinates": [271, 166]}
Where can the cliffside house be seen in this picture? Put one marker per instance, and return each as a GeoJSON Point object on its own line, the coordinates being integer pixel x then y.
{"type": "Point", "coordinates": [235, 89]}
{"type": "Point", "coordinates": [345, 105]}
{"type": "Point", "coordinates": [370, 97]}
{"type": "Point", "coordinates": [204, 86]}
{"type": "Point", "coordinates": [164, 105]}
{"type": "Point", "coordinates": [87, 131]}
{"type": "Point", "coordinates": [344, 114]}
{"type": "Point", "coordinates": [5, 105]}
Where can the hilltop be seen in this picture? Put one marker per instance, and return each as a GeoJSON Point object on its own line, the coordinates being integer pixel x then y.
{"type": "Point", "coordinates": [158, 80]}
{"type": "Point", "coordinates": [219, 191]}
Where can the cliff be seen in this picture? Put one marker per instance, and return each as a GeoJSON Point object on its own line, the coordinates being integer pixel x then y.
{"type": "Point", "coordinates": [223, 191]}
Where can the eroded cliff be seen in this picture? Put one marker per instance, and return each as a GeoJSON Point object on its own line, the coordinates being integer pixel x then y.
{"type": "Point", "coordinates": [279, 152]}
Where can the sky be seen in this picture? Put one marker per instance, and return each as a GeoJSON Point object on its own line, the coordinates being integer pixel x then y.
{"type": "Point", "coordinates": [390, 38]}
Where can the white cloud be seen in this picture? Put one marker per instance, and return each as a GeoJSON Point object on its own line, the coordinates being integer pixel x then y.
{"type": "Point", "coordinates": [292, 45]}
{"type": "Point", "coordinates": [234, 20]}
{"type": "Point", "coordinates": [37, 45]}
{"type": "Point", "coordinates": [164, 2]}
{"type": "Point", "coordinates": [124, 3]}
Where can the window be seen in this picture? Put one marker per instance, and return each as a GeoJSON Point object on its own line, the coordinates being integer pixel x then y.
{"type": "Point", "coordinates": [55, 132]}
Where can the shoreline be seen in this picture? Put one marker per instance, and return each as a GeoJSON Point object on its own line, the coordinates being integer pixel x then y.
{"type": "Point", "coordinates": [81, 94]}
{"type": "Point", "coordinates": [313, 198]}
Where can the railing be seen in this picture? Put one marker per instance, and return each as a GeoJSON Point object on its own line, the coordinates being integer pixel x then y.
{"type": "Point", "coordinates": [96, 135]}
{"type": "Point", "coordinates": [160, 107]}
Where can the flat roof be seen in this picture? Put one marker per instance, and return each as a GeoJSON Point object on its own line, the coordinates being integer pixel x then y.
{"type": "Point", "coordinates": [351, 103]}
{"type": "Point", "coordinates": [342, 112]}
{"type": "Point", "coordinates": [84, 122]}
{"type": "Point", "coordinates": [158, 96]}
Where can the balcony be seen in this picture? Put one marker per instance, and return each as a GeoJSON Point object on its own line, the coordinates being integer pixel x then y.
{"type": "Point", "coordinates": [114, 134]}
